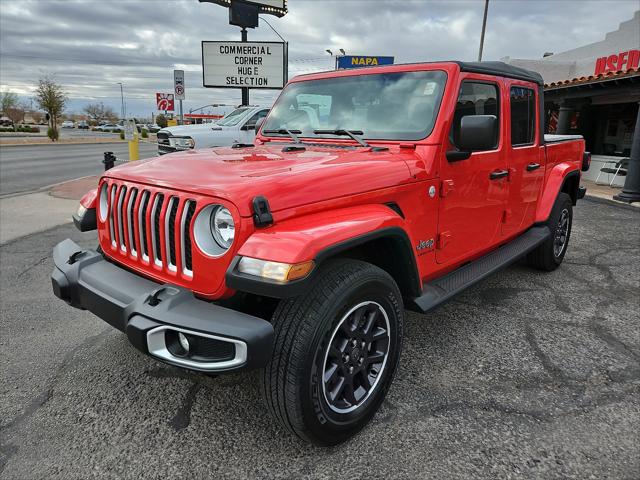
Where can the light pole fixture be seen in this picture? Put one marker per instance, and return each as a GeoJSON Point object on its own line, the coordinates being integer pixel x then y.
{"type": "Point", "coordinates": [122, 112]}
{"type": "Point", "coordinates": [342, 51]}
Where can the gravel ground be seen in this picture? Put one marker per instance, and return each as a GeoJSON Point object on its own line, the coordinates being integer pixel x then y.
{"type": "Point", "coordinates": [526, 375]}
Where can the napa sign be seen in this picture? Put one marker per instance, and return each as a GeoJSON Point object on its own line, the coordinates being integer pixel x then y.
{"type": "Point", "coordinates": [358, 61]}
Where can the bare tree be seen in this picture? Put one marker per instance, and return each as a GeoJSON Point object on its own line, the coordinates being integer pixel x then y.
{"type": "Point", "coordinates": [95, 111]}
{"type": "Point", "coordinates": [8, 100]}
{"type": "Point", "coordinates": [51, 98]}
{"type": "Point", "coordinates": [16, 115]}
{"type": "Point", "coordinates": [37, 117]}
{"type": "Point", "coordinates": [110, 115]}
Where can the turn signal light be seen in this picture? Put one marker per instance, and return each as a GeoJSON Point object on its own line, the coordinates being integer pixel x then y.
{"type": "Point", "coordinates": [281, 272]}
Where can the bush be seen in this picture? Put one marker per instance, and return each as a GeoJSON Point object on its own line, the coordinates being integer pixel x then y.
{"type": "Point", "coordinates": [144, 133]}
{"type": "Point", "coordinates": [52, 134]}
{"type": "Point", "coordinates": [121, 135]}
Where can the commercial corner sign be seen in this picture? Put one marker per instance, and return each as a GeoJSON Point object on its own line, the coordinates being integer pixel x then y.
{"type": "Point", "coordinates": [358, 61]}
{"type": "Point", "coordinates": [243, 64]}
{"type": "Point", "coordinates": [178, 84]}
{"type": "Point", "coordinates": [165, 102]}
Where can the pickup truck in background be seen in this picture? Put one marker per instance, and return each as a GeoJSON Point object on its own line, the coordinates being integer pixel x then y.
{"type": "Point", "coordinates": [237, 126]}
{"type": "Point", "coordinates": [366, 192]}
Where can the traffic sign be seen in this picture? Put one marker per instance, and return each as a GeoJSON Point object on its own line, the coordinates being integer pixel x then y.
{"type": "Point", "coordinates": [165, 102]}
{"type": "Point", "coordinates": [243, 64]}
{"type": "Point", "coordinates": [178, 84]}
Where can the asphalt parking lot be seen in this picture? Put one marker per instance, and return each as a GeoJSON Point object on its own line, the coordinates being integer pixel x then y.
{"type": "Point", "coordinates": [526, 375]}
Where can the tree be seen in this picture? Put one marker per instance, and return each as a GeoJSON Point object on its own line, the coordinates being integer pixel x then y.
{"type": "Point", "coordinates": [8, 100]}
{"type": "Point", "coordinates": [161, 120]}
{"type": "Point", "coordinates": [51, 98]}
{"type": "Point", "coordinates": [95, 111]}
{"type": "Point", "coordinates": [37, 117]}
{"type": "Point", "coordinates": [15, 114]}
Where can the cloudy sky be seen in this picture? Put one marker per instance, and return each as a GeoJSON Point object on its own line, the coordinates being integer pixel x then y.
{"type": "Point", "coordinates": [90, 45]}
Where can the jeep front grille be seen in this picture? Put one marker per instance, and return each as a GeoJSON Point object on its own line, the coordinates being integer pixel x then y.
{"type": "Point", "coordinates": [151, 226]}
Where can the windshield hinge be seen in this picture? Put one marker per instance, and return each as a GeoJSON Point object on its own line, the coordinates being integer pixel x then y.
{"type": "Point", "coordinates": [261, 212]}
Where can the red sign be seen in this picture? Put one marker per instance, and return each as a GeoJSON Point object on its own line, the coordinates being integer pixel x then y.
{"type": "Point", "coordinates": [615, 63]}
{"type": "Point", "coordinates": [164, 101]}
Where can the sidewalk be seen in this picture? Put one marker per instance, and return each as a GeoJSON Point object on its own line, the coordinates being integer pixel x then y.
{"type": "Point", "coordinates": [604, 192]}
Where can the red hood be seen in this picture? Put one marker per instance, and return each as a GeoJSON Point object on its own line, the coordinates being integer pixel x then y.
{"type": "Point", "coordinates": [286, 179]}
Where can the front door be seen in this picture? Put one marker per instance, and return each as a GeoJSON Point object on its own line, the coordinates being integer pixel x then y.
{"type": "Point", "coordinates": [473, 191]}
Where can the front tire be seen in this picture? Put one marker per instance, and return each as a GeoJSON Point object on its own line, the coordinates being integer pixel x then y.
{"type": "Point", "coordinates": [335, 352]}
{"type": "Point", "coordinates": [549, 254]}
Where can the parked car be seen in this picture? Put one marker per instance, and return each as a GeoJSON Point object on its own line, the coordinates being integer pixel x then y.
{"type": "Point", "coordinates": [367, 191]}
{"type": "Point", "coordinates": [83, 125]}
{"type": "Point", "coordinates": [68, 124]}
{"type": "Point", "coordinates": [109, 127]}
{"type": "Point", "coordinates": [236, 127]}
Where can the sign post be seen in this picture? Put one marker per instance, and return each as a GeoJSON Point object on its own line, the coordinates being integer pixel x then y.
{"type": "Point", "coordinates": [178, 90]}
{"type": "Point", "coordinates": [131, 135]}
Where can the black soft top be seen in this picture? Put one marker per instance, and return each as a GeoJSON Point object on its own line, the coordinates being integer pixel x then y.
{"type": "Point", "coordinates": [501, 69]}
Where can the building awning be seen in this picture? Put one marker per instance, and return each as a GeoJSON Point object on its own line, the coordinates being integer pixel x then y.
{"type": "Point", "coordinates": [632, 74]}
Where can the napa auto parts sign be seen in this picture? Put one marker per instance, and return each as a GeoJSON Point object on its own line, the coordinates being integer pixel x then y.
{"type": "Point", "coordinates": [243, 64]}
{"type": "Point", "coordinates": [165, 102]}
{"type": "Point", "coordinates": [358, 61]}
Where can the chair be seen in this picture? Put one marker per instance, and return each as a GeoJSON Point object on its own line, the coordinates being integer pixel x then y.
{"type": "Point", "coordinates": [619, 168]}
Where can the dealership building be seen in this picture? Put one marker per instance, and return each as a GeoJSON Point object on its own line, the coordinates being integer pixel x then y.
{"type": "Point", "coordinates": [594, 91]}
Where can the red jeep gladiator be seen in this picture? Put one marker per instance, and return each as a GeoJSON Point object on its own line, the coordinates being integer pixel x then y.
{"type": "Point", "coordinates": [367, 192]}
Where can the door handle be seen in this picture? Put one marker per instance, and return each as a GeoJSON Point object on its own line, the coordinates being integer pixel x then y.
{"type": "Point", "coordinates": [533, 166]}
{"type": "Point", "coordinates": [495, 175]}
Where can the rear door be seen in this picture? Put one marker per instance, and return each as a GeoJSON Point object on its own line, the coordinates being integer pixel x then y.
{"type": "Point", "coordinates": [471, 203]}
{"type": "Point", "coordinates": [525, 156]}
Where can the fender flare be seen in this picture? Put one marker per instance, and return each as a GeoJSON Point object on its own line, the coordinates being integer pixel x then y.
{"type": "Point", "coordinates": [319, 237]}
{"type": "Point", "coordinates": [556, 180]}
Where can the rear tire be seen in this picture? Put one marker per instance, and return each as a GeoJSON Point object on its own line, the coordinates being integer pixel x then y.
{"type": "Point", "coordinates": [335, 352]}
{"type": "Point", "coordinates": [549, 255]}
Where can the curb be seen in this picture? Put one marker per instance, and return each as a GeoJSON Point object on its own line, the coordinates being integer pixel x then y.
{"type": "Point", "coordinates": [611, 201]}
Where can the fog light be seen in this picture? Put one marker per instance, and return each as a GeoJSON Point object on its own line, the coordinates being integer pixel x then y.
{"type": "Point", "coordinates": [184, 341]}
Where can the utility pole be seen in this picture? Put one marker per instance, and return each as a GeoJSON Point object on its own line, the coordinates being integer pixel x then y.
{"type": "Point", "coordinates": [484, 26]}
{"type": "Point", "coordinates": [121, 101]}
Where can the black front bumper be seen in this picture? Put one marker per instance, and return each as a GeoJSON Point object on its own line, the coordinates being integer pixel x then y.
{"type": "Point", "coordinates": [144, 309]}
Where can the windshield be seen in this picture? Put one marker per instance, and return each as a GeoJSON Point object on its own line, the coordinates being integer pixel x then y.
{"type": "Point", "coordinates": [233, 118]}
{"type": "Point", "coordinates": [388, 106]}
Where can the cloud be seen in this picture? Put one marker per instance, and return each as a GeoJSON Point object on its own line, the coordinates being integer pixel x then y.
{"type": "Point", "coordinates": [90, 45]}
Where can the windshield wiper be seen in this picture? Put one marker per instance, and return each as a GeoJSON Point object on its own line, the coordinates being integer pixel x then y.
{"type": "Point", "coordinates": [283, 131]}
{"type": "Point", "coordinates": [349, 133]}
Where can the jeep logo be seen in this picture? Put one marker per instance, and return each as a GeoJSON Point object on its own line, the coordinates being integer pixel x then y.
{"type": "Point", "coordinates": [424, 244]}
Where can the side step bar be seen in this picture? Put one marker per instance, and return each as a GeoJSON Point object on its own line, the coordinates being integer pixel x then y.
{"type": "Point", "coordinates": [441, 289]}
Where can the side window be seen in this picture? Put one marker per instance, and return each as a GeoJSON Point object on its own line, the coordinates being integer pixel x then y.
{"type": "Point", "coordinates": [523, 116]}
{"type": "Point", "coordinates": [254, 119]}
{"type": "Point", "coordinates": [475, 98]}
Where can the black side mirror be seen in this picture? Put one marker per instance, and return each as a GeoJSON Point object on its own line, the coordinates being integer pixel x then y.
{"type": "Point", "coordinates": [477, 133]}
{"type": "Point", "coordinates": [248, 127]}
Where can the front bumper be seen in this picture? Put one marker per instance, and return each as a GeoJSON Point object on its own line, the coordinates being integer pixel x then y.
{"type": "Point", "coordinates": [149, 312]}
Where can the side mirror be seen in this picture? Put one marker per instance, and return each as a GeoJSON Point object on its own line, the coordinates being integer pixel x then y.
{"type": "Point", "coordinates": [477, 133]}
{"type": "Point", "coordinates": [248, 127]}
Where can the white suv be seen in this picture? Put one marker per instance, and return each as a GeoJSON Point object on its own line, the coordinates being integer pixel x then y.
{"type": "Point", "coordinates": [239, 126]}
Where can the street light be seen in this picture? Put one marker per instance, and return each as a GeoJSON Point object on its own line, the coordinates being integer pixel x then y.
{"type": "Point", "coordinates": [122, 112]}
{"type": "Point", "coordinates": [286, 47]}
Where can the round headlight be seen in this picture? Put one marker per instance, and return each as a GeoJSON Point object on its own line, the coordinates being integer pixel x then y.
{"type": "Point", "coordinates": [214, 230]}
{"type": "Point", "coordinates": [222, 227]}
{"type": "Point", "coordinates": [103, 208]}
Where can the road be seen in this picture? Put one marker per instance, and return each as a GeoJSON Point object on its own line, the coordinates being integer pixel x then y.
{"type": "Point", "coordinates": [27, 168]}
{"type": "Point", "coordinates": [526, 375]}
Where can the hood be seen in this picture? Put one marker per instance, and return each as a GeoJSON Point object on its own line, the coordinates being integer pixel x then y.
{"type": "Point", "coordinates": [187, 130]}
{"type": "Point", "coordinates": [286, 179]}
